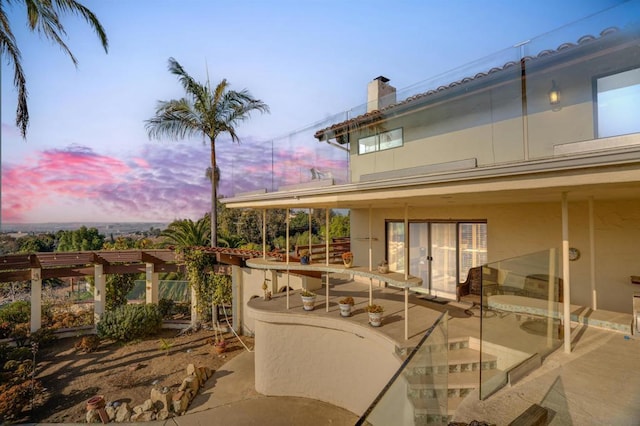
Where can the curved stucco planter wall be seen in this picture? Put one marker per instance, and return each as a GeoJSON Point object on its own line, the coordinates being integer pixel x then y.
{"type": "Point", "coordinates": [329, 359]}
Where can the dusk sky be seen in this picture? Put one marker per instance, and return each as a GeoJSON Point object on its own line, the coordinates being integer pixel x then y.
{"type": "Point", "coordinates": [87, 156]}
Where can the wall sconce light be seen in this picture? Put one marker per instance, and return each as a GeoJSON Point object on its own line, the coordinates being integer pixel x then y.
{"type": "Point", "coordinates": [554, 94]}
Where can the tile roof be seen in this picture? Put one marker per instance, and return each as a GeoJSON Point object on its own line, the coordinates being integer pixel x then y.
{"type": "Point", "coordinates": [372, 116]}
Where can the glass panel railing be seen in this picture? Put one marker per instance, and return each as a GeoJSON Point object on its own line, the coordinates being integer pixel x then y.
{"type": "Point", "coordinates": [417, 394]}
{"type": "Point", "coordinates": [566, 92]}
{"type": "Point", "coordinates": [521, 313]}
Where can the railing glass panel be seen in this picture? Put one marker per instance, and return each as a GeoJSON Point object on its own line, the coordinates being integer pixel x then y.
{"type": "Point", "coordinates": [520, 316]}
{"type": "Point", "coordinates": [417, 394]}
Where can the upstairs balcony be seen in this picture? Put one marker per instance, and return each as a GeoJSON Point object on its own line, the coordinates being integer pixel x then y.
{"type": "Point", "coordinates": [565, 100]}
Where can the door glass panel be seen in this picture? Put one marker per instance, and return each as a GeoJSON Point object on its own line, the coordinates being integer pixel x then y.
{"type": "Point", "coordinates": [472, 247]}
{"type": "Point", "coordinates": [443, 265]}
{"type": "Point", "coordinates": [419, 252]}
{"type": "Point", "coordinates": [395, 246]}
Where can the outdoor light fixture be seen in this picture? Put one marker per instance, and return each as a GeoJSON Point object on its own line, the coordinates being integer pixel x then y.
{"type": "Point", "coordinates": [554, 94]}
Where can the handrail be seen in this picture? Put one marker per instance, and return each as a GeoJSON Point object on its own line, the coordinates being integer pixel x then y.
{"type": "Point", "coordinates": [392, 278]}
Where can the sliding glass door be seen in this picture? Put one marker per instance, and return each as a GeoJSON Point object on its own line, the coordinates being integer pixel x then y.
{"type": "Point", "coordinates": [440, 253]}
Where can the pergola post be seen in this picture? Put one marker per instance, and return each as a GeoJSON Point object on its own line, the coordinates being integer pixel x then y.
{"type": "Point", "coordinates": [152, 288]}
{"type": "Point", "coordinates": [36, 299]}
{"type": "Point", "coordinates": [99, 292]}
{"type": "Point", "coordinates": [237, 295]}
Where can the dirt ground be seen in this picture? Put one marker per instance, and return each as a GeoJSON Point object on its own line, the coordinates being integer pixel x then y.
{"type": "Point", "coordinates": [120, 372]}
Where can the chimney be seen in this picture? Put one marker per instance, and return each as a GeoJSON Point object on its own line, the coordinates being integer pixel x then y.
{"type": "Point", "coordinates": [380, 94]}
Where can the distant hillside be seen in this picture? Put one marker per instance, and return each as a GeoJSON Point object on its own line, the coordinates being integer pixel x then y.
{"type": "Point", "coordinates": [116, 228]}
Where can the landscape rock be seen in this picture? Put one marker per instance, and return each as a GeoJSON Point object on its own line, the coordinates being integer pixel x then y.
{"type": "Point", "coordinates": [111, 412]}
{"type": "Point", "coordinates": [123, 413]}
{"type": "Point", "coordinates": [147, 405]}
{"type": "Point", "coordinates": [209, 372]}
{"type": "Point", "coordinates": [145, 416]}
{"type": "Point", "coordinates": [93, 416]}
{"type": "Point", "coordinates": [190, 383]}
{"type": "Point", "coordinates": [161, 400]}
{"type": "Point", "coordinates": [203, 373]}
{"type": "Point", "coordinates": [181, 401]}
{"type": "Point", "coordinates": [137, 409]}
{"type": "Point", "coordinates": [163, 415]}
{"type": "Point", "coordinates": [191, 370]}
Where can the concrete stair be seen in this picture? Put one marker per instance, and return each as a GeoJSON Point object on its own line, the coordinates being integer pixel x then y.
{"type": "Point", "coordinates": [430, 383]}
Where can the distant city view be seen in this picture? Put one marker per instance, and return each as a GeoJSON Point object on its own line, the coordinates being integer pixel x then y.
{"type": "Point", "coordinates": [105, 228]}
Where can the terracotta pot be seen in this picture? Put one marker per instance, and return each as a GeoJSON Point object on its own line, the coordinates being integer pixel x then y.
{"type": "Point", "coordinates": [348, 263]}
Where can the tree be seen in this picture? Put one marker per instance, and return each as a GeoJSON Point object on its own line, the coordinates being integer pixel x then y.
{"type": "Point", "coordinates": [82, 239]}
{"type": "Point", "coordinates": [187, 233]}
{"type": "Point", "coordinates": [204, 112]}
{"type": "Point", "coordinates": [42, 17]}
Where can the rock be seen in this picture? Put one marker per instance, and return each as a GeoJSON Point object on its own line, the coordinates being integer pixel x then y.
{"type": "Point", "coordinates": [209, 372]}
{"type": "Point", "coordinates": [138, 409]}
{"type": "Point", "coordinates": [191, 370]}
{"type": "Point", "coordinates": [161, 400]}
{"type": "Point", "coordinates": [147, 405]}
{"type": "Point", "coordinates": [203, 373]}
{"type": "Point", "coordinates": [190, 383]}
{"type": "Point", "coordinates": [93, 416]}
{"type": "Point", "coordinates": [180, 401]}
{"type": "Point", "coordinates": [163, 415]}
{"type": "Point", "coordinates": [145, 416]}
{"type": "Point", "coordinates": [111, 412]}
{"type": "Point", "coordinates": [123, 413]}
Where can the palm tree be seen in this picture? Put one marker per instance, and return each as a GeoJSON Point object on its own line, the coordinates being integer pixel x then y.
{"type": "Point", "coordinates": [43, 17]}
{"type": "Point", "coordinates": [187, 233]}
{"type": "Point", "coordinates": [206, 112]}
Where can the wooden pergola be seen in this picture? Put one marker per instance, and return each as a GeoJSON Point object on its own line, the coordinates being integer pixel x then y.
{"type": "Point", "coordinates": [35, 267]}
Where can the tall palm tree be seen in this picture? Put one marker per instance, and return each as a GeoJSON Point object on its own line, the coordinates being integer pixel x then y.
{"type": "Point", "coordinates": [42, 17]}
{"type": "Point", "coordinates": [206, 112]}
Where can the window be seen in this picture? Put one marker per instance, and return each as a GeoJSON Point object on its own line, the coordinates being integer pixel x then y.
{"type": "Point", "coordinates": [618, 103]}
{"type": "Point", "coordinates": [380, 142]}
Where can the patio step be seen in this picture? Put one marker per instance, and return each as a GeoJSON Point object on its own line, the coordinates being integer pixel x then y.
{"type": "Point", "coordinates": [462, 371]}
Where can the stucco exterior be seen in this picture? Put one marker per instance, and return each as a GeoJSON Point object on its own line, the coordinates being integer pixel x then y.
{"type": "Point", "coordinates": [328, 359]}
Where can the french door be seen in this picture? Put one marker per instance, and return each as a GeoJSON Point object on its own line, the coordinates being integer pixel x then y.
{"type": "Point", "coordinates": [440, 253]}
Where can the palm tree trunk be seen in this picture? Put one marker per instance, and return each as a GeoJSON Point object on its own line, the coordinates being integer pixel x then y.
{"type": "Point", "coordinates": [214, 198]}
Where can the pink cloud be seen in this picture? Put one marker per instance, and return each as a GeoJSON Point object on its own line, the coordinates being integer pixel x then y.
{"type": "Point", "coordinates": [161, 182]}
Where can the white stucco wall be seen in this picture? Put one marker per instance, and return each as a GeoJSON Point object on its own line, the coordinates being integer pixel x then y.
{"type": "Point", "coordinates": [524, 228]}
{"type": "Point", "coordinates": [329, 359]}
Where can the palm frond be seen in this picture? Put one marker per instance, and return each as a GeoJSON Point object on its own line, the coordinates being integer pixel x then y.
{"type": "Point", "coordinates": [9, 48]}
{"type": "Point", "coordinates": [78, 9]}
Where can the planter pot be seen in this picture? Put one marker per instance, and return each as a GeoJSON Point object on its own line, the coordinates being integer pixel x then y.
{"type": "Point", "coordinates": [308, 302]}
{"type": "Point", "coordinates": [348, 263]}
{"type": "Point", "coordinates": [219, 349]}
{"type": "Point", "coordinates": [375, 319]}
{"type": "Point", "coordinates": [383, 269]}
{"type": "Point", "coordinates": [345, 309]}
{"type": "Point", "coordinates": [304, 260]}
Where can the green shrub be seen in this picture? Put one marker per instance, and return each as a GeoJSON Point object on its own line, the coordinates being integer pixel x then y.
{"type": "Point", "coordinates": [16, 312]}
{"type": "Point", "coordinates": [130, 322]}
{"type": "Point", "coordinates": [166, 307]}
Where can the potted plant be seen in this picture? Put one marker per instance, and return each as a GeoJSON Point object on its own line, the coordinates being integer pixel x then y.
{"type": "Point", "coordinates": [305, 258]}
{"type": "Point", "coordinates": [308, 300]}
{"type": "Point", "coordinates": [383, 267]}
{"type": "Point", "coordinates": [217, 342]}
{"type": "Point", "coordinates": [375, 314]}
{"type": "Point", "coordinates": [347, 258]}
{"type": "Point", "coordinates": [346, 305]}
